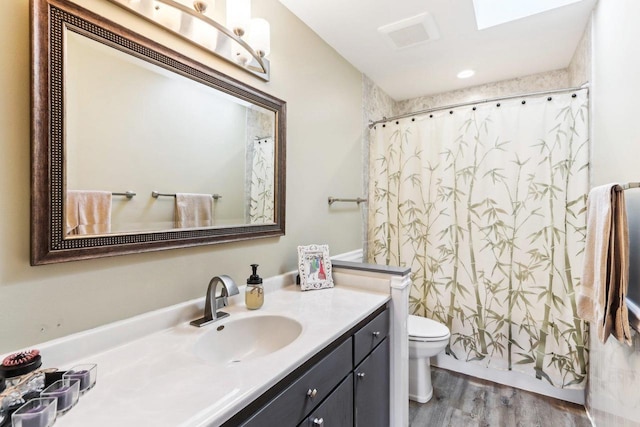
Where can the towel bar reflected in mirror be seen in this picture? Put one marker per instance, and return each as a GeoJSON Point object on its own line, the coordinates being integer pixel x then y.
{"type": "Point", "coordinates": [128, 194]}
{"type": "Point", "coordinates": [156, 194]}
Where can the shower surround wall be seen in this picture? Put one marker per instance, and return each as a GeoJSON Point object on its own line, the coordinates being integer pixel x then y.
{"type": "Point", "coordinates": [550, 80]}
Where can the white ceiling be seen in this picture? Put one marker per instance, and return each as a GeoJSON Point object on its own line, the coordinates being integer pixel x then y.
{"type": "Point", "coordinates": [530, 45]}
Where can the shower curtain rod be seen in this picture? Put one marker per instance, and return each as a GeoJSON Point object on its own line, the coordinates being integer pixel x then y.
{"type": "Point", "coordinates": [483, 101]}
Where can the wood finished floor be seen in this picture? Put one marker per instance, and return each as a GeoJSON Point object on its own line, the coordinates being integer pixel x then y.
{"type": "Point", "coordinates": [463, 401]}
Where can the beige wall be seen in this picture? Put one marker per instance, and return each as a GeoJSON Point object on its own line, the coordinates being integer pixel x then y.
{"type": "Point", "coordinates": [324, 101]}
{"type": "Point", "coordinates": [613, 396]}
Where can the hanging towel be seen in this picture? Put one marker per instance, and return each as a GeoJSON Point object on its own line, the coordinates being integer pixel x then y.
{"type": "Point", "coordinates": [194, 210]}
{"type": "Point", "coordinates": [88, 212]}
{"type": "Point", "coordinates": [606, 264]}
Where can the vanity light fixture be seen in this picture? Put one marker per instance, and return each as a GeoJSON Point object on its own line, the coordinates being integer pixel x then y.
{"type": "Point", "coordinates": [243, 41]}
{"type": "Point", "coordinates": [465, 74]}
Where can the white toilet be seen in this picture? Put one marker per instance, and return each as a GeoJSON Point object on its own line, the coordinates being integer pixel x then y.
{"type": "Point", "coordinates": [426, 339]}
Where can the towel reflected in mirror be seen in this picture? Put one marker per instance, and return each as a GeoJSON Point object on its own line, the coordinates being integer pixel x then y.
{"type": "Point", "coordinates": [193, 210]}
{"type": "Point", "coordinates": [87, 212]}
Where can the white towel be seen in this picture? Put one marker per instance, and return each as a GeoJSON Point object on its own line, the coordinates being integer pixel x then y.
{"type": "Point", "coordinates": [606, 264]}
{"type": "Point", "coordinates": [88, 212]}
{"type": "Point", "coordinates": [194, 210]}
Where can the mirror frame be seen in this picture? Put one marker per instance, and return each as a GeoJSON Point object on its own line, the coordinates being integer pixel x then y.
{"type": "Point", "coordinates": [49, 18]}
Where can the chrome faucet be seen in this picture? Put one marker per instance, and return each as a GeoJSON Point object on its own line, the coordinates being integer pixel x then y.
{"type": "Point", "coordinates": [213, 302]}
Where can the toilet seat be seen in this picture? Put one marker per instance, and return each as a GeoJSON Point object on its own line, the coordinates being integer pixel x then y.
{"type": "Point", "coordinates": [423, 329]}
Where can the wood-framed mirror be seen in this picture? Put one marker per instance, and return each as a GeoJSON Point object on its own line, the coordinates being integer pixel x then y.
{"type": "Point", "coordinates": [114, 112]}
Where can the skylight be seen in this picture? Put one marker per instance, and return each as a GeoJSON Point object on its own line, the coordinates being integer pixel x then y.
{"type": "Point", "coordinates": [490, 13]}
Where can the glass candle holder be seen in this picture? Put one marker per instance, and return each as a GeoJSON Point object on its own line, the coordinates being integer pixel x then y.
{"type": "Point", "coordinates": [39, 412]}
{"type": "Point", "coordinates": [66, 391]}
{"type": "Point", "coordinates": [87, 374]}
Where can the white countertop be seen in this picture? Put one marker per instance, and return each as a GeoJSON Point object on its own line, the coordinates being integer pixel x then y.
{"type": "Point", "coordinates": [157, 380]}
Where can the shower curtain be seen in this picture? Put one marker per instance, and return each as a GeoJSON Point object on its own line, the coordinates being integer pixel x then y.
{"type": "Point", "coordinates": [486, 204]}
{"type": "Point", "coordinates": [261, 202]}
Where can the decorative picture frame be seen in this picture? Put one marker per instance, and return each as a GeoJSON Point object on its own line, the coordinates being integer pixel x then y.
{"type": "Point", "coordinates": [314, 267]}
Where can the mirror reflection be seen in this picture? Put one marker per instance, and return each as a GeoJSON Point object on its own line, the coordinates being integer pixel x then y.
{"type": "Point", "coordinates": [131, 125]}
{"type": "Point", "coordinates": [113, 112]}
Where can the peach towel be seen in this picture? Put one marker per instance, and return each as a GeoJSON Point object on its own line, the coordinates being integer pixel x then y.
{"type": "Point", "coordinates": [606, 264]}
{"type": "Point", "coordinates": [88, 212]}
{"type": "Point", "coordinates": [194, 210]}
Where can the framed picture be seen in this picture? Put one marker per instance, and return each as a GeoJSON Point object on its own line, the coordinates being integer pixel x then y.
{"type": "Point", "coordinates": [314, 267]}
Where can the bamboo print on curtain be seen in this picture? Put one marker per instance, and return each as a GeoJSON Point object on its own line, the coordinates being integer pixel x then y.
{"type": "Point", "coordinates": [486, 204]}
{"type": "Point", "coordinates": [262, 202]}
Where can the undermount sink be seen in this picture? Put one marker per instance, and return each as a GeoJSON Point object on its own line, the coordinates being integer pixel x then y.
{"type": "Point", "coordinates": [238, 340]}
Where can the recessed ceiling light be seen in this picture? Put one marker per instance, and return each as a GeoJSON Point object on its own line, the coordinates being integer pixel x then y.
{"type": "Point", "coordinates": [465, 74]}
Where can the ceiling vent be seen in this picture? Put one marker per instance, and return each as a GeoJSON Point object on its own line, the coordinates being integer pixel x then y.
{"type": "Point", "coordinates": [412, 31]}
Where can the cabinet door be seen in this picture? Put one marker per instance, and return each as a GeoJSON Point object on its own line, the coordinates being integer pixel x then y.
{"type": "Point", "coordinates": [336, 410]}
{"type": "Point", "coordinates": [371, 389]}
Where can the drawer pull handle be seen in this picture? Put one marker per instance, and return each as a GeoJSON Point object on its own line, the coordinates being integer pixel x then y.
{"type": "Point", "coordinates": [318, 421]}
{"type": "Point", "coordinates": [312, 393]}
{"type": "Point", "coordinates": [360, 374]}
{"type": "Point", "coordinates": [376, 334]}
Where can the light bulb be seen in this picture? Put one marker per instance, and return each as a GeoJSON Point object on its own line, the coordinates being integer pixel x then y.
{"type": "Point", "coordinates": [259, 36]}
{"type": "Point", "coordinates": [238, 15]}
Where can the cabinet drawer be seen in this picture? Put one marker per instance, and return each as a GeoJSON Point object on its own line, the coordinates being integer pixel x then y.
{"type": "Point", "coordinates": [372, 334]}
{"type": "Point", "coordinates": [300, 398]}
{"type": "Point", "coordinates": [336, 410]}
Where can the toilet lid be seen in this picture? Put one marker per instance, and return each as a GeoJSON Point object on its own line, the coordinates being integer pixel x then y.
{"type": "Point", "coordinates": [421, 328]}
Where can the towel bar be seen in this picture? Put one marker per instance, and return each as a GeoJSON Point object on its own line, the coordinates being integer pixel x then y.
{"type": "Point", "coordinates": [359, 200]}
{"type": "Point", "coordinates": [630, 185]}
{"type": "Point", "coordinates": [128, 194]}
{"type": "Point", "coordinates": [156, 194]}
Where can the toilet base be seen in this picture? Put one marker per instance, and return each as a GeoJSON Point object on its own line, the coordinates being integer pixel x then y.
{"type": "Point", "coordinates": [420, 388]}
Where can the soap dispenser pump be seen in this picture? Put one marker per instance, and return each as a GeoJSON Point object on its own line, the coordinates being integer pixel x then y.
{"type": "Point", "coordinates": [254, 292]}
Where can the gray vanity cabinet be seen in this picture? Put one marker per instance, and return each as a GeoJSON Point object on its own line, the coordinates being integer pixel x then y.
{"type": "Point", "coordinates": [371, 386]}
{"type": "Point", "coordinates": [346, 384]}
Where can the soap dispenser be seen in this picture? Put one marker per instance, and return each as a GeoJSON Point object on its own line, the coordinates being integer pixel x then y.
{"type": "Point", "coordinates": [254, 293]}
